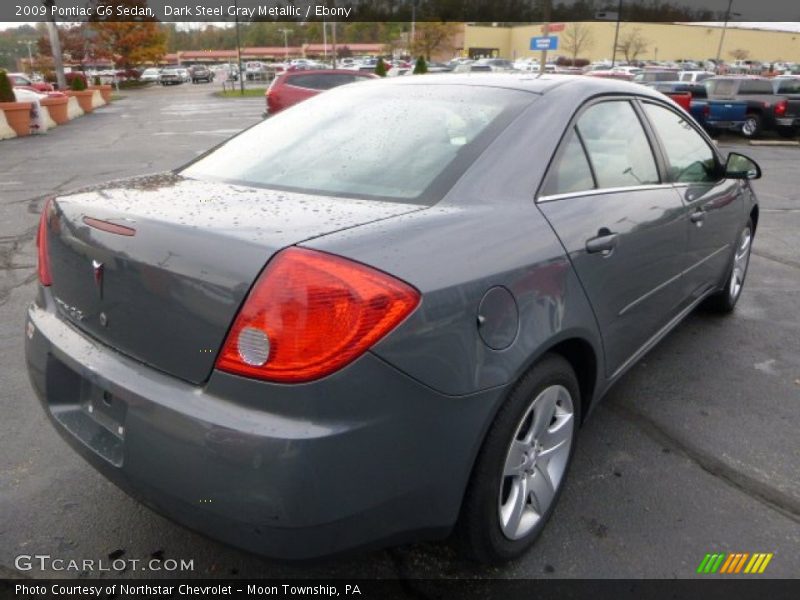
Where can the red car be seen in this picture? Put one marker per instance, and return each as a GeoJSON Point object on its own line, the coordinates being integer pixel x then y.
{"type": "Point", "coordinates": [291, 87]}
{"type": "Point", "coordinates": [20, 80]}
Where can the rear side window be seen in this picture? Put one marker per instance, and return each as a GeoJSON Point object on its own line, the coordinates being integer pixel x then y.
{"type": "Point", "coordinates": [322, 81]}
{"type": "Point", "coordinates": [618, 148]}
{"type": "Point", "coordinates": [571, 171]}
{"type": "Point", "coordinates": [691, 159]}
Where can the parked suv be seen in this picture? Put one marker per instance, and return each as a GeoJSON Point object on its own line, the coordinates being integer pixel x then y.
{"type": "Point", "coordinates": [170, 77]}
{"type": "Point", "coordinates": [765, 109]}
{"type": "Point", "coordinates": [292, 87]}
{"type": "Point", "coordinates": [201, 73]}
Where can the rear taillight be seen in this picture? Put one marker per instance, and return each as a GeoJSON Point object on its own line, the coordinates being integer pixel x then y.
{"type": "Point", "coordinates": [781, 107]}
{"type": "Point", "coordinates": [706, 111]}
{"type": "Point", "coordinates": [41, 244]}
{"type": "Point", "coordinates": [311, 313]}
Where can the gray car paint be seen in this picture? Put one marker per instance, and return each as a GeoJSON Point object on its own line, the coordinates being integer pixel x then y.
{"type": "Point", "coordinates": [356, 458]}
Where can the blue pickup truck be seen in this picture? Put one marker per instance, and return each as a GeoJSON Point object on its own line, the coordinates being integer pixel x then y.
{"type": "Point", "coordinates": [712, 114]}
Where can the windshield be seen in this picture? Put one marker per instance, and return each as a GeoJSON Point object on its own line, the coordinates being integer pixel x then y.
{"type": "Point", "coordinates": [405, 143]}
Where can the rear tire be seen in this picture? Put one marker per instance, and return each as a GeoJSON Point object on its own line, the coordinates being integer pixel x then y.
{"type": "Point", "coordinates": [787, 132]}
{"type": "Point", "coordinates": [724, 301]}
{"type": "Point", "coordinates": [521, 468]}
{"type": "Point", "coordinates": [751, 128]}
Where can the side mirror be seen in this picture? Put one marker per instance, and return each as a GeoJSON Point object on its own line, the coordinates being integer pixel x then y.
{"type": "Point", "coordinates": [739, 166]}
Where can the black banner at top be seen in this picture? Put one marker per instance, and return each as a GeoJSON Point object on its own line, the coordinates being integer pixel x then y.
{"type": "Point", "coordinates": [488, 11]}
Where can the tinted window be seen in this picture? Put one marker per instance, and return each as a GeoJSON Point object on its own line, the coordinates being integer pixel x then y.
{"type": "Point", "coordinates": [323, 81]}
{"type": "Point", "coordinates": [617, 145]}
{"type": "Point", "coordinates": [789, 86]}
{"type": "Point", "coordinates": [691, 159]}
{"type": "Point", "coordinates": [412, 148]}
{"type": "Point", "coordinates": [571, 171]}
{"type": "Point", "coordinates": [755, 87]}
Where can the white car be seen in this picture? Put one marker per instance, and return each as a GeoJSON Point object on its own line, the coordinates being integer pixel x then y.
{"type": "Point", "coordinates": [694, 76]}
{"type": "Point", "coordinates": [150, 75]}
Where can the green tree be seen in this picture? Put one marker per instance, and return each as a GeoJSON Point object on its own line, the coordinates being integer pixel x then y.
{"type": "Point", "coordinates": [420, 67]}
{"type": "Point", "coordinates": [380, 68]}
{"type": "Point", "coordinates": [6, 91]}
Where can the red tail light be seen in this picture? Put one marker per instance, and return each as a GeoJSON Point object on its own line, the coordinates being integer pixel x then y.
{"type": "Point", "coordinates": [706, 111]}
{"type": "Point", "coordinates": [41, 244]}
{"type": "Point", "coordinates": [310, 314]}
{"type": "Point", "coordinates": [781, 107]}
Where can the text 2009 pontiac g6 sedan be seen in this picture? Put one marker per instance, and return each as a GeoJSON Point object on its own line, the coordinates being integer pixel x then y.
{"type": "Point", "coordinates": [382, 314]}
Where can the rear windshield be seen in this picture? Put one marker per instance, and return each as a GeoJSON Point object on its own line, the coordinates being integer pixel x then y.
{"type": "Point", "coordinates": [406, 143]}
{"type": "Point", "coordinates": [756, 87]}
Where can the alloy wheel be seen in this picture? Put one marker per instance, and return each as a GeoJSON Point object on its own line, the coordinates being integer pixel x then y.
{"type": "Point", "coordinates": [536, 461]}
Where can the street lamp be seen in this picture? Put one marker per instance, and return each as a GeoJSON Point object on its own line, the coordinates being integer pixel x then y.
{"type": "Point", "coordinates": [30, 55]}
{"type": "Point", "coordinates": [728, 14]}
{"type": "Point", "coordinates": [286, 33]}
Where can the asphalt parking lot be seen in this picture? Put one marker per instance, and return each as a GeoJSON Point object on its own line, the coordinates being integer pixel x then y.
{"type": "Point", "coordinates": [696, 450]}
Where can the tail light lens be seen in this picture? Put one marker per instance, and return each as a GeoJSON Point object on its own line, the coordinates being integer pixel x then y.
{"type": "Point", "coordinates": [41, 243]}
{"type": "Point", "coordinates": [781, 107]}
{"type": "Point", "coordinates": [311, 313]}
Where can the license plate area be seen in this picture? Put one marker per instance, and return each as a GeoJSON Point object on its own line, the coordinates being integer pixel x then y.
{"type": "Point", "coordinates": [105, 408]}
{"type": "Point", "coordinates": [95, 418]}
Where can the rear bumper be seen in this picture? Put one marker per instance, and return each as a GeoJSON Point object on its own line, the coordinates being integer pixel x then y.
{"type": "Point", "coordinates": [363, 458]}
{"type": "Point", "coordinates": [723, 124]}
{"type": "Point", "coordinates": [788, 122]}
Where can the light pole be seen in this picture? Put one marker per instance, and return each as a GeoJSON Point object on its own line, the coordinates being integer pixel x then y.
{"type": "Point", "coordinates": [285, 33]}
{"type": "Point", "coordinates": [616, 35]}
{"type": "Point", "coordinates": [239, 51]}
{"type": "Point", "coordinates": [722, 35]}
{"type": "Point", "coordinates": [30, 56]}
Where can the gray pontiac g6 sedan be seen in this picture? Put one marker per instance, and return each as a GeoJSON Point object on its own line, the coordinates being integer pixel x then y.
{"type": "Point", "coordinates": [382, 315]}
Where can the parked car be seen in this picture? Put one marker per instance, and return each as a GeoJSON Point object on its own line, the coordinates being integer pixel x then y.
{"type": "Point", "coordinates": [150, 75]}
{"type": "Point", "coordinates": [694, 76]}
{"type": "Point", "coordinates": [185, 75]}
{"type": "Point", "coordinates": [170, 77]}
{"type": "Point", "coordinates": [21, 80]}
{"type": "Point", "coordinates": [345, 355]}
{"type": "Point", "coordinates": [764, 108]}
{"type": "Point", "coordinates": [713, 115]}
{"type": "Point", "coordinates": [655, 76]}
{"type": "Point", "coordinates": [789, 88]}
{"type": "Point", "coordinates": [496, 64]}
{"type": "Point", "coordinates": [291, 87]}
{"type": "Point", "coordinates": [201, 73]}
{"type": "Point", "coordinates": [472, 68]}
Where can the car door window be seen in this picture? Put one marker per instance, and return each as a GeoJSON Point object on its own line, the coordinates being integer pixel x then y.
{"type": "Point", "coordinates": [571, 171]}
{"type": "Point", "coordinates": [690, 158]}
{"type": "Point", "coordinates": [618, 148]}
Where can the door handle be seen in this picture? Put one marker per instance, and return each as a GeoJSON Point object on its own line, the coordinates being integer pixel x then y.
{"type": "Point", "coordinates": [698, 216]}
{"type": "Point", "coordinates": [605, 242]}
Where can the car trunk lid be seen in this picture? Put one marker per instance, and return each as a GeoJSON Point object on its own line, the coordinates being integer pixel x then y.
{"type": "Point", "coordinates": [157, 267]}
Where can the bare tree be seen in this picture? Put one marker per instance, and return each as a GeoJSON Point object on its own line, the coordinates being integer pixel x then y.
{"type": "Point", "coordinates": [739, 53]}
{"type": "Point", "coordinates": [577, 37]}
{"type": "Point", "coordinates": [632, 44]}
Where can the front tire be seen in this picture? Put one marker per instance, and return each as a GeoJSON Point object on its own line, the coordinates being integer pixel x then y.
{"type": "Point", "coordinates": [725, 300]}
{"type": "Point", "coordinates": [522, 466]}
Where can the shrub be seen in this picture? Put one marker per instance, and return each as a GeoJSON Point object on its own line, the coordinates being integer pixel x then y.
{"type": "Point", "coordinates": [6, 91]}
{"type": "Point", "coordinates": [420, 67]}
{"type": "Point", "coordinates": [76, 81]}
{"type": "Point", "coordinates": [97, 80]}
{"type": "Point", "coordinates": [380, 68]}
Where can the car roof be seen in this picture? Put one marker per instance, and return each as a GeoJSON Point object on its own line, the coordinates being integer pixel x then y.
{"type": "Point", "coordinates": [527, 82]}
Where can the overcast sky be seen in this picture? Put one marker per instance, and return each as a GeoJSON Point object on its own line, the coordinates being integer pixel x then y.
{"type": "Point", "coordinates": [779, 25]}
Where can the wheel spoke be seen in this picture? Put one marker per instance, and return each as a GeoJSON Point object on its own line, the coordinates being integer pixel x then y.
{"type": "Point", "coordinates": [541, 489]}
{"type": "Point", "coordinates": [556, 437]}
{"type": "Point", "coordinates": [515, 459]}
{"type": "Point", "coordinates": [515, 507]}
{"type": "Point", "coordinates": [543, 410]}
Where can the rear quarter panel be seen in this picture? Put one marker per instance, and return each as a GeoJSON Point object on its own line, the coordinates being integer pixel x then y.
{"type": "Point", "coordinates": [486, 232]}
